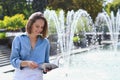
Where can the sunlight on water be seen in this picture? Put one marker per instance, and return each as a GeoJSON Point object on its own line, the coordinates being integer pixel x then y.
{"type": "Point", "coordinates": [91, 65]}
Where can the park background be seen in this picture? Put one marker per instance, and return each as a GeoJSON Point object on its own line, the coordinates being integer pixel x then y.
{"type": "Point", "coordinates": [14, 14]}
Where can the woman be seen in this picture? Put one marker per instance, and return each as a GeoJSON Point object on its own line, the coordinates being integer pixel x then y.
{"type": "Point", "coordinates": [31, 49]}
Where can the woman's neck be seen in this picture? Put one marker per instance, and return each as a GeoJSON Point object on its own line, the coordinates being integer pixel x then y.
{"type": "Point", "coordinates": [32, 37]}
{"type": "Point", "coordinates": [33, 40]}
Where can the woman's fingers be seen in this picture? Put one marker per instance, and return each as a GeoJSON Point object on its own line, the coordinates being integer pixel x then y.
{"type": "Point", "coordinates": [32, 64]}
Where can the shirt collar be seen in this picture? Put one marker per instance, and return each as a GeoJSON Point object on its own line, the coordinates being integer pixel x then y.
{"type": "Point", "coordinates": [24, 34]}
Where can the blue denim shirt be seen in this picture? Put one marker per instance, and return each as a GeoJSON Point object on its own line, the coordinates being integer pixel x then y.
{"type": "Point", "coordinates": [22, 50]}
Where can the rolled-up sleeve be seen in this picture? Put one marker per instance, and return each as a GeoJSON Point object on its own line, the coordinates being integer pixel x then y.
{"type": "Point", "coordinates": [15, 53]}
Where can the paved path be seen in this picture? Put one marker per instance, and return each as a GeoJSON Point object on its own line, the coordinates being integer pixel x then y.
{"type": "Point", "coordinates": [4, 55]}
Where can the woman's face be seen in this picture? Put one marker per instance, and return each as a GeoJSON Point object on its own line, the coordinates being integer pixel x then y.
{"type": "Point", "coordinates": [37, 27]}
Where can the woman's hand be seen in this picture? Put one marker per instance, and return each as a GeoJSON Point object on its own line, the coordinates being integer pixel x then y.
{"type": "Point", "coordinates": [46, 70]}
{"type": "Point", "coordinates": [30, 64]}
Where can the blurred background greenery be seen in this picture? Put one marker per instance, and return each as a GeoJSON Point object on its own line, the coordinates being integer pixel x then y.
{"type": "Point", "coordinates": [14, 13]}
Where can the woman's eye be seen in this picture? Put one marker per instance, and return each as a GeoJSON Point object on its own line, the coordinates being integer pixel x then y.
{"type": "Point", "coordinates": [41, 27]}
{"type": "Point", "coordinates": [37, 26]}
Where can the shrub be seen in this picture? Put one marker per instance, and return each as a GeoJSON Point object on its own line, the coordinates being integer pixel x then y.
{"type": "Point", "coordinates": [2, 35]}
{"type": "Point", "coordinates": [15, 22]}
{"type": "Point", "coordinates": [76, 38]}
{"type": "Point", "coordinates": [2, 24]}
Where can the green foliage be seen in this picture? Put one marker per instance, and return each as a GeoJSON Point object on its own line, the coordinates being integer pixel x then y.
{"type": "Point", "coordinates": [2, 24]}
{"type": "Point", "coordinates": [83, 25]}
{"type": "Point", "coordinates": [2, 35]}
{"type": "Point", "coordinates": [39, 5]}
{"type": "Point", "coordinates": [76, 38]}
{"type": "Point", "coordinates": [93, 7]}
{"type": "Point", "coordinates": [15, 22]}
{"type": "Point", "coordinates": [12, 7]}
{"type": "Point", "coordinates": [1, 10]}
{"type": "Point", "coordinates": [52, 27]}
{"type": "Point", "coordinates": [114, 6]}
{"type": "Point", "coordinates": [26, 7]}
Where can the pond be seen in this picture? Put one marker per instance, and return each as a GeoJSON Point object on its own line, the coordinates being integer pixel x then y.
{"type": "Point", "coordinates": [96, 64]}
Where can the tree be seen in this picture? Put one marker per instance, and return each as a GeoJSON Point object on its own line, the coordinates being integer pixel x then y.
{"type": "Point", "coordinates": [39, 5]}
{"type": "Point", "coordinates": [93, 7]}
{"type": "Point", "coordinates": [114, 6]}
{"type": "Point", "coordinates": [60, 4]}
{"type": "Point", "coordinates": [26, 7]}
{"type": "Point", "coordinates": [12, 7]}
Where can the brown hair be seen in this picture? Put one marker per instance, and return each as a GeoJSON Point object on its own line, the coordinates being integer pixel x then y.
{"type": "Point", "coordinates": [32, 19]}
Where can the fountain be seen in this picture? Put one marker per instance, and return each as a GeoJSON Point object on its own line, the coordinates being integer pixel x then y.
{"type": "Point", "coordinates": [94, 63]}
{"type": "Point", "coordinates": [66, 31]}
{"type": "Point", "coordinates": [113, 25]}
